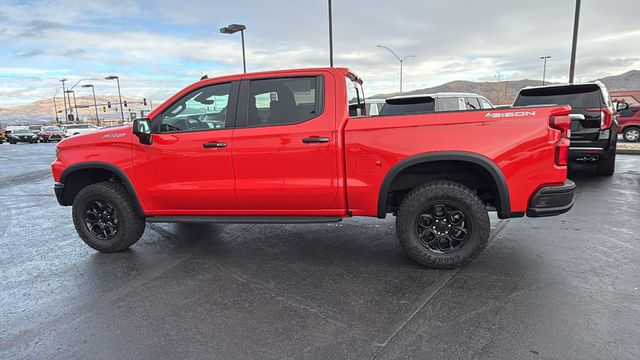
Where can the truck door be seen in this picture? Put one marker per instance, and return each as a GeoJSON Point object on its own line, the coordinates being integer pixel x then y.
{"type": "Point", "coordinates": [187, 169]}
{"type": "Point", "coordinates": [285, 146]}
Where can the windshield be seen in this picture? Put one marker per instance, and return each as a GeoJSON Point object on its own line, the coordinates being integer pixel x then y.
{"type": "Point", "coordinates": [579, 97]}
{"type": "Point", "coordinates": [51, 128]}
{"type": "Point", "coordinates": [22, 131]}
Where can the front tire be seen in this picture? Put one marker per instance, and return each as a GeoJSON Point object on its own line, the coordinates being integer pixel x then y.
{"type": "Point", "coordinates": [105, 218]}
{"type": "Point", "coordinates": [631, 134]}
{"type": "Point", "coordinates": [442, 224]}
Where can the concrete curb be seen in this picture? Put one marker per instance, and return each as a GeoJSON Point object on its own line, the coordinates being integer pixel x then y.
{"type": "Point", "coordinates": [628, 151]}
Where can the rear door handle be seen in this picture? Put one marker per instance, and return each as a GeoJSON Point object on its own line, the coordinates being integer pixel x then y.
{"type": "Point", "coordinates": [214, 144]}
{"type": "Point", "coordinates": [315, 139]}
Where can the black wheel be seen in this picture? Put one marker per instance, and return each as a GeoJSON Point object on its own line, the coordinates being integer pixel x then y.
{"type": "Point", "coordinates": [631, 134]}
{"type": "Point", "coordinates": [442, 224]}
{"type": "Point", "coordinates": [105, 217]}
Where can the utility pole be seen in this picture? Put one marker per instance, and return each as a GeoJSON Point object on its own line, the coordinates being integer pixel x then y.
{"type": "Point", "coordinates": [331, 33]}
{"type": "Point", "coordinates": [576, 22]}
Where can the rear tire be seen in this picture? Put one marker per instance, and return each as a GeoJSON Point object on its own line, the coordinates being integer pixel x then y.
{"type": "Point", "coordinates": [105, 218]}
{"type": "Point", "coordinates": [439, 203]}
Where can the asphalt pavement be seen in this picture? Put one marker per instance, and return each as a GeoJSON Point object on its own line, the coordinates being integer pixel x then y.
{"type": "Point", "coordinates": [565, 287]}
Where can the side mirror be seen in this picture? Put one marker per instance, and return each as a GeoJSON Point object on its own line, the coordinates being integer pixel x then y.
{"type": "Point", "coordinates": [142, 129]}
{"type": "Point", "coordinates": [622, 106]}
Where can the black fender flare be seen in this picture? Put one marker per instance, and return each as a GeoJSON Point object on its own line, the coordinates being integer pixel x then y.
{"type": "Point", "coordinates": [110, 167]}
{"type": "Point", "coordinates": [504, 201]}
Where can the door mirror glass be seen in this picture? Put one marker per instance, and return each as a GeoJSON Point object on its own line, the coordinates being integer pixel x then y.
{"type": "Point", "coordinates": [622, 106]}
{"type": "Point", "coordinates": [142, 129]}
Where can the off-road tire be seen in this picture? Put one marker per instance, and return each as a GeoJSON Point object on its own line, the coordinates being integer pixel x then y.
{"type": "Point", "coordinates": [431, 193]}
{"type": "Point", "coordinates": [130, 225]}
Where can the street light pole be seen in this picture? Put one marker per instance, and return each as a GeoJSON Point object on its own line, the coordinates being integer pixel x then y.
{"type": "Point", "coordinates": [232, 29]}
{"type": "Point", "coordinates": [75, 105]}
{"type": "Point", "coordinates": [113, 77]}
{"type": "Point", "coordinates": [95, 104]}
{"type": "Point", "coordinates": [55, 107]}
{"type": "Point", "coordinates": [330, 33]}
{"type": "Point", "coordinates": [544, 68]}
{"type": "Point", "coordinates": [401, 60]}
{"type": "Point", "coordinates": [64, 99]}
{"type": "Point", "coordinates": [576, 21]}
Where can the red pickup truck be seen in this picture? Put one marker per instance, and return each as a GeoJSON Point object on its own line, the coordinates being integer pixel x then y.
{"type": "Point", "coordinates": [296, 146]}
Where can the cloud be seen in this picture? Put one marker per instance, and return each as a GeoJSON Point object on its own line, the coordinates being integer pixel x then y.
{"type": "Point", "coordinates": [165, 42]}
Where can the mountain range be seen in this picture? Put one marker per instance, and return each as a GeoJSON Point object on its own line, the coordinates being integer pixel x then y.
{"type": "Point", "coordinates": [498, 92]}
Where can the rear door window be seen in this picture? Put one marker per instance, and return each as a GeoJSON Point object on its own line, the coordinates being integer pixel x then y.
{"type": "Point", "coordinates": [404, 106]}
{"type": "Point", "coordinates": [472, 103]}
{"type": "Point", "coordinates": [447, 104]}
{"type": "Point", "coordinates": [629, 112]}
{"type": "Point", "coordinates": [283, 101]}
{"type": "Point", "coordinates": [579, 97]}
{"type": "Point", "coordinates": [485, 104]}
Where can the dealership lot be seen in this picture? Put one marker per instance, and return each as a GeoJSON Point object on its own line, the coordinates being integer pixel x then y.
{"type": "Point", "coordinates": [563, 287]}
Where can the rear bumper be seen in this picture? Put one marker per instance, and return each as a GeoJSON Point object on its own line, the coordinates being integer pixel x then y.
{"type": "Point", "coordinates": [552, 200]}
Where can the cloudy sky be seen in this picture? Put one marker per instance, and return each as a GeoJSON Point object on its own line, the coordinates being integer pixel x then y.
{"type": "Point", "coordinates": [158, 47]}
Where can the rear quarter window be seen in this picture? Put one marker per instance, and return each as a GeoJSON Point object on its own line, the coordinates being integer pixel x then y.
{"type": "Point", "coordinates": [405, 106]}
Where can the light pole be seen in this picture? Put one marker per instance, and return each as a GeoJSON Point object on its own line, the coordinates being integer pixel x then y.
{"type": "Point", "coordinates": [55, 107]}
{"type": "Point", "coordinates": [75, 104]}
{"type": "Point", "coordinates": [95, 104]}
{"type": "Point", "coordinates": [117, 79]}
{"type": "Point", "coordinates": [64, 99]}
{"type": "Point", "coordinates": [576, 21]}
{"type": "Point", "coordinates": [544, 68]}
{"type": "Point", "coordinates": [399, 59]}
{"type": "Point", "coordinates": [232, 29]}
{"type": "Point", "coordinates": [330, 33]}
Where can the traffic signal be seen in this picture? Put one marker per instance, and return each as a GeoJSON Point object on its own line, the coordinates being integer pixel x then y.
{"type": "Point", "coordinates": [125, 103]}
{"type": "Point", "coordinates": [104, 109]}
{"type": "Point", "coordinates": [144, 101]}
{"type": "Point", "coordinates": [109, 104]}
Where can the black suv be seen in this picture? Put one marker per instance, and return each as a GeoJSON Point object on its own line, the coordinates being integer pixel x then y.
{"type": "Point", "coordinates": [594, 135]}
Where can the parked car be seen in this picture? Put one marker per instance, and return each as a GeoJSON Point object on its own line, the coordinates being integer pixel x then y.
{"type": "Point", "coordinates": [2, 137]}
{"type": "Point", "coordinates": [425, 103]}
{"type": "Point", "coordinates": [75, 129]}
{"type": "Point", "coordinates": [9, 129]}
{"type": "Point", "coordinates": [629, 123]}
{"type": "Point", "coordinates": [292, 149]}
{"type": "Point", "coordinates": [594, 136]}
{"type": "Point", "coordinates": [22, 135]}
{"type": "Point", "coordinates": [52, 133]}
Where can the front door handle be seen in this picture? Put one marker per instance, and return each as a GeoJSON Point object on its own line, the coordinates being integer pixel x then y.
{"type": "Point", "coordinates": [214, 144]}
{"type": "Point", "coordinates": [315, 140]}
